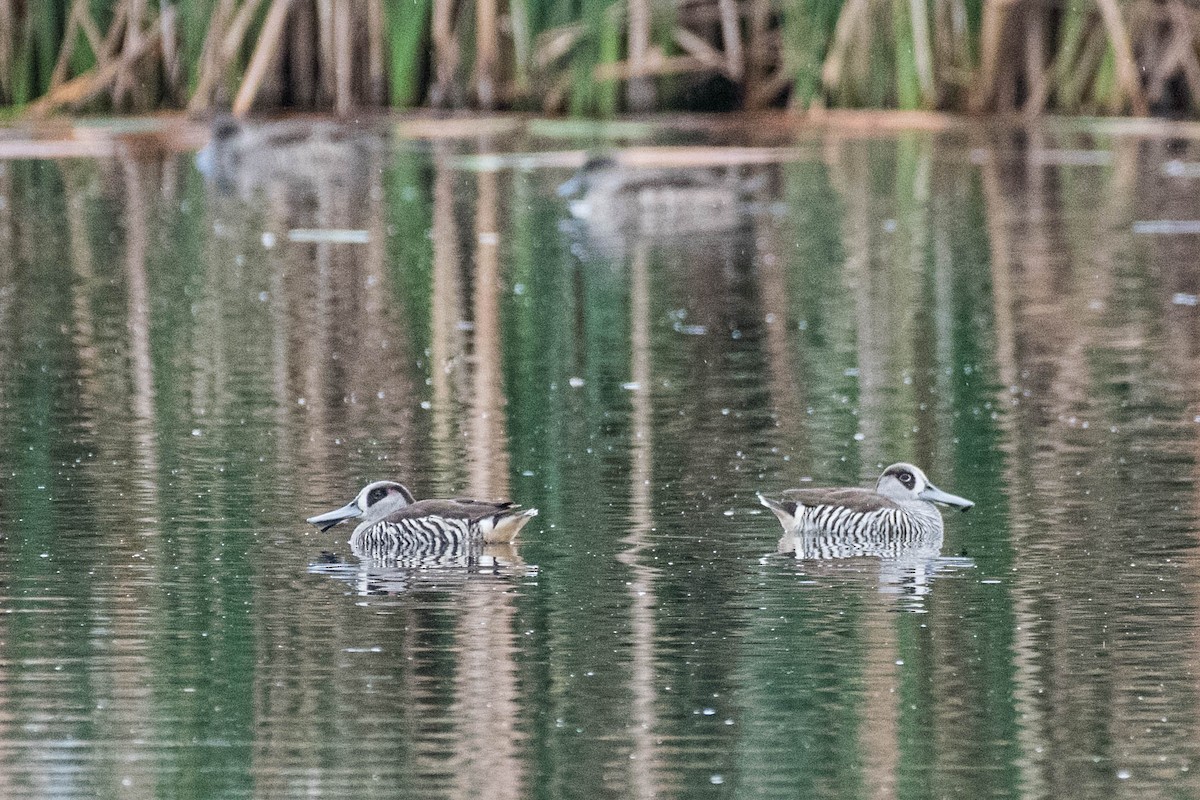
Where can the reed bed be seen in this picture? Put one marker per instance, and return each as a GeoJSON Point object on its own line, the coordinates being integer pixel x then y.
{"type": "Point", "coordinates": [600, 57]}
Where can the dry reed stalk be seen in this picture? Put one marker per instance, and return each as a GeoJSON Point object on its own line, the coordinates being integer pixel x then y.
{"type": "Point", "coordinates": [639, 91]}
{"type": "Point", "coordinates": [731, 38]}
{"type": "Point", "coordinates": [126, 83]}
{"type": "Point", "coordinates": [1128, 74]}
{"type": "Point", "coordinates": [759, 95]}
{"type": "Point", "coordinates": [116, 29]}
{"type": "Point", "coordinates": [209, 52]}
{"type": "Point", "coordinates": [755, 50]}
{"type": "Point", "coordinates": [487, 53]}
{"type": "Point", "coordinates": [300, 54]}
{"type": "Point", "coordinates": [172, 66]}
{"type": "Point", "coordinates": [655, 63]}
{"type": "Point", "coordinates": [556, 43]}
{"type": "Point", "coordinates": [8, 19]}
{"type": "Point", "coordinates": [1151, 32]}
{"type": "Point", "coordinates": [699, 48]}
{"type": "Point", "coordinates": [922, 51]}
{"type": "Point", "coordinates": [1181, 22]}
{"type": "Point", "coordinates": [522, 47]}
{"type": "Point", "coordinates": [991, 47]}
{"type": "Point", "coordinates": [376, 80]}
{"type": "Point", "coordinates": [1078, 76]}
{"type": "Point", "coordinates": [852, 17]}
{"type": "Point", "coordinates": [69, 39]}
{"type": "Point", "coordinates": [960, 32]}
{"type": "Point", "coordinates": [80, 89]}
{"type": "Point", "coordinates": [226, 41]}
{"type": "Point", "coordinates": [445, 52]}
{"type": "Point", "coordinates": [264, 55]}
{"type": "Point", "coordinates": [235, 35]}
{"type": "Point", "coordinates": [1037, 84]}
{"type": "Point", "coordinates": [343, 39]}
{"type": "Point", "coordinates": [326, 87]}
{"type": "Point", "coordinates": [944, 51]}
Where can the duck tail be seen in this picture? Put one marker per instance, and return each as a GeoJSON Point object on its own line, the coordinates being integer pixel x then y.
{"type": "Point", "coordinates": [505, 526]}
{"type": "Point", "coordinates": [785, 510]}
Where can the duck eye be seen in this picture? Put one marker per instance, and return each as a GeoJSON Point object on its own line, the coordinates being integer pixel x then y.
{"type": "Point", "coordinates": [907, 479]}
{"type": "Point", "coordinates": [376, 495]}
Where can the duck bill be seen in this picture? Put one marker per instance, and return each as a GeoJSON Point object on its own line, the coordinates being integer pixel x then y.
{"type": "Point", "coordinates": [330, 518]}
{"type": "Point", "coordinates": [936, 495]}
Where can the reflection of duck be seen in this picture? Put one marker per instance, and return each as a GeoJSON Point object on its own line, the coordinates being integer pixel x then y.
{"type": "Point", "coordinates": [900, 508]}
{"type": "Point", "coordinates": [907, 565]}
{"type": "Point", "coordinates": [657, 201]}
{"type": "Point", "coordinates": [299, 155]}
{"type": "Point", "coordinates": [406, 568]}
{"type": "Point", "coordinates": [394, 522]}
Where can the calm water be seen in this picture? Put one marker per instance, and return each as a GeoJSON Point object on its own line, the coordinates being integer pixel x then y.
{"type": "Point", "coordinates": [185, 375]}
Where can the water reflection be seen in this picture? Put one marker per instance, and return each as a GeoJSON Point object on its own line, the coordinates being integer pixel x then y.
{"type": "Point", "coordinates": [448, 567]}
{"type": "Point", "coordinates": [900, 566]}
{"type": "Point", "coordinates": [613, 203]}
{"type": "Point", "coordinates": [181, 382]}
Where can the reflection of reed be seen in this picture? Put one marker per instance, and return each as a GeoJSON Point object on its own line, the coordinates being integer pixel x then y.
{"type": "Point", "coordinates": [6, 215]}
{"type": "Point", "coordinates": [1076, 356]}
{"type": "Point", "coordinates": [902, 337]}
{"type": "Point", "coordinates": [9, 711]}
{"type": "Point", "coordinates": [132, 709]}
{"type": "Point", "coordinates": [446, 343]}
{"type": "Point", "coordinates": [489, 441]}
{"type": "Point", "coordinates": [644, 766]}
{"type": "Point", "coordinates": [332, 353]}
{"type": "Point", "coordinates": [376, 335]}
{"type": "Point", "coordinates": [486, 707]}
{"type": "Point", "coordinates": [136, 239]}
{"type": "Point", "coordinates": [884, 270]}
{"type": "Point", "coordinates": [82, 267]}
{"type": "Point", "coordinates": [786, 384]}
{"type": "Point", "coordinates": [1020, 266]}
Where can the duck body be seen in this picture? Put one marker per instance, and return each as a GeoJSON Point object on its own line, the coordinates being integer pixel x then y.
{"type": "Point", "coordinates": [900, 509]}
{"type": "Point", "coordinates": [434, 522]}
{"type": "Point", "coordinates": [392, 520]}
{"type": "Point", "coordinates": [661, 201]}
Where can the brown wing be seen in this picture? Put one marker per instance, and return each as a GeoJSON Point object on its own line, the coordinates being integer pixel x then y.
{"type": "Point", "coordinates": [861, 501]}
{"type": "Point", "coordinates": [450, 509]}
{"type": "Point", "coordinates": [498, 504]}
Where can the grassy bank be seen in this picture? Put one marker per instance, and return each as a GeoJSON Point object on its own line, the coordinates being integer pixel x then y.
{"type": "Point", "coordinates": [600, 57]}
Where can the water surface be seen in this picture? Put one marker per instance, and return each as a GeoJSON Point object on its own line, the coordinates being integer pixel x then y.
{"type": "Point", "coordinates": [191, 364]}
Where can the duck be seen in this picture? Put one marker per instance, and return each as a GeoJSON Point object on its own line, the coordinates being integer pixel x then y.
{"type": "Point", "coordinates": [392, 518]}
{"type": "Point", "coordinates": [900, 508]}
{"type": "Point", "coordinates": [662, 200]}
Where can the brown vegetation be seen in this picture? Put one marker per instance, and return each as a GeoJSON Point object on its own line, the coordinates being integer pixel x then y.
{"type": "Point", "coordinates": [598, 57]}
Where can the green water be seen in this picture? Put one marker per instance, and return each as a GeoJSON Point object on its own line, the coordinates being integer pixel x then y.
{"type": "Point", "coordinates": [184, 378]}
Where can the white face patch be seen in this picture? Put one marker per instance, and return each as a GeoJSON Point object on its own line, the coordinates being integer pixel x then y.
{"type": "Point", "coordinates": [364, 497]}
{"type": "Point", "coordinates": [892, 483]}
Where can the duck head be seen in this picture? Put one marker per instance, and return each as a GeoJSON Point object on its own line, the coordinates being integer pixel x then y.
{"type": "Point", "coordinates": [374, 502]}
{"type": "Point", "coordinates": [905, 483]}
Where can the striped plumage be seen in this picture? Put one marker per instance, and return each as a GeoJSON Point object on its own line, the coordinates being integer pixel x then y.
{"type": "Point", "coordinates": [901, 507]}
{"type": "Point", "coordinates": [421, 552]}
{"type": "Point", "coordinates": [393, 521]}
{"type": "Point", "coordinates": [907, 543]}
{"type": "Point", "coordinates": [403, 568]}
